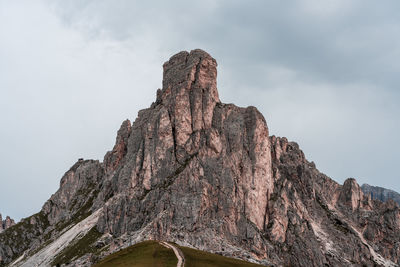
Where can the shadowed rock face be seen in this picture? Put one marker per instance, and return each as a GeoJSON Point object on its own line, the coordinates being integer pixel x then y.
{"type": "Point", "coordinates": [201, 173]}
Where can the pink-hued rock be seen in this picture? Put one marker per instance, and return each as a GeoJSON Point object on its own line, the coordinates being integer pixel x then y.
{"type": "Point", "coordinates": [352, 196]}
{"type": "Point", "coordinates": [112, 158]}
{"type": "Point", "coordinates": [201, 173]}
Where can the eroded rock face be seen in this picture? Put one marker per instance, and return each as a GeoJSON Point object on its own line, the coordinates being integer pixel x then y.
{"type": "Point", "coordinates": [78, 187]}
{"type": "Point", "coordinates": [113, 158]}
{"type": "Point", "coordinates": [207, 174]}
{"type": "Point", "coordinates": [201, 173]}
{"type": "Point", "coordinates": [352, 196]}
{"type": "Point", "coordinates": [316, 221]}
{"type": "Point", "coordinates": [192, 163]}
{"type": "Point", "coordinates": [70, 204]}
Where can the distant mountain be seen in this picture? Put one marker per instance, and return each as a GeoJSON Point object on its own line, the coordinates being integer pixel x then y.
{"type": "Point", "coordinates": [380, 193]}
{"type": "Point", "coordinates": [207, 175]}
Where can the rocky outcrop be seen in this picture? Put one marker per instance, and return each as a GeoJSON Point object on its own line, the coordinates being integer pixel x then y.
{"type": "Point", "coordinates": [78, 188]}
{"type": "Point", "coordinates": [71, 204]}
{"type": "Point", "coordinates": [192, 163]}
{"type": "Point", "coordinates": [7, 223]}
{"type": "Point", "coordinates": [381, 193]}
{"type": "Point", "coordinates": [352, 196]}
{"type": "Point", "coordinates": [112, 158]}
{"type": "Point", "coordinates": [204, 174]}
{"type": "Point", "coordinates": [317, 222]}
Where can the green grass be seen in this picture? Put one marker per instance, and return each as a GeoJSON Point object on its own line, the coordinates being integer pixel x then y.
{"type": "Point", "coordinates": [151, 253]}
{"type": "Point", "coordinates": [146, 254]}
{"type": "Point", "coordinates": [198, 258]}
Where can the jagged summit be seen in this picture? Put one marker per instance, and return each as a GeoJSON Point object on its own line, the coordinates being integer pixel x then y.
{"type": "Point", "coordinates": [189, 92]}
{"type": "Point", "coordinates": [204, 174]}
{"type": "Point", "coordinates": [195, 71]}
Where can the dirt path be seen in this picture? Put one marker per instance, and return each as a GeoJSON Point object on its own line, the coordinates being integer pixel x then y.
{"type": "Point", "coordinates": [178, 253]}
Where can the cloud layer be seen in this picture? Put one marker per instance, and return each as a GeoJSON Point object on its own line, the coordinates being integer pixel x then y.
{"type": "Point", "coordinates": [324, 74]}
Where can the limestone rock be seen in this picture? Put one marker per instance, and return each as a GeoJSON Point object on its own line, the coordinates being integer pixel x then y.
{"type": "Point", "coordinates": [204, 174]}
{"type": "Point", "coordinates": [351, 194]}
{"type": "Point", "coordinates": [112, 158]}
{"type": "Point", "coordinates": [69, 205]}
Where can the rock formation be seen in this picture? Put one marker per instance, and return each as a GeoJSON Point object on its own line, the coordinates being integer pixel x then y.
{"type": "Point", "coordinates": [7, 223]}
{"type": "Point", "coordinates": [204, 174]}
{"type": "Point", "coordinates": [381, 193]}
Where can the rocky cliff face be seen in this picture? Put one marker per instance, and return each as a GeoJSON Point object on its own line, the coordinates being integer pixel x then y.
{"type": "Point", "coordinates": [201, 173]}
{"type": "Point", "coordinates": [381, 193]}
{"type": "Point", "coordinates": [7, 223]}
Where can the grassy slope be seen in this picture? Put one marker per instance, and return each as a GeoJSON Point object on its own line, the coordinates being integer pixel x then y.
{"type": "Point", "coordinates": [198, 258]}
{"type": "Point", "coordinates": [151, 253]}
{"type": "Point", "coordinates": [148, 253]}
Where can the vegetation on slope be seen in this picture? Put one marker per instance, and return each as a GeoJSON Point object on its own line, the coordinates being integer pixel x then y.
{"type": "Point", "coordinates": [151, 253]}
{"type": "Point", "coordinates": [78, 248]}
{"type": "Point", "coordinates": [19, 237]}
{"type": "Point", "coordinates": [198, 258]}
{"type": "Point", "coordinates": [148, 253]}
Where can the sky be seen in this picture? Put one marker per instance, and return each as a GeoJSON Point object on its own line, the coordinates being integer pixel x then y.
{"type": "Point", "coordinates": [323, 73]}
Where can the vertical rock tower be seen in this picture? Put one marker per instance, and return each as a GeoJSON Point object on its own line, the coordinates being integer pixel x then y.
{"type": "Point", "coordinates": [191, 163]}
{"type": "Point", "coordinates": [201, 173]}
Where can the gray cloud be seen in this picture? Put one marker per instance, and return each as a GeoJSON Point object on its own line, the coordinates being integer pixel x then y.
{"type": "Point", "coordinates": [323, 73]}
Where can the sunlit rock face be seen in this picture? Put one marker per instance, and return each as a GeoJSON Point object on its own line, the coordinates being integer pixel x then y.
{"type": "Point", "coordinates": [193, 163]}
{"type": "Point", "coordinates": [205, 174]}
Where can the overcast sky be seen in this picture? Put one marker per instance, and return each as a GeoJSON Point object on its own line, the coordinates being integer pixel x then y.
{"type": "Point", "coordinates": [324, 74]}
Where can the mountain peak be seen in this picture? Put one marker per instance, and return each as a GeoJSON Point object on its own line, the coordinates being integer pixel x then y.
{"type": "Point", "coordinates": [208, 175]}
{"type": "Point", "coordinates": [189, 95]}
{"type": "Point", "coordinates": [191, 73]}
